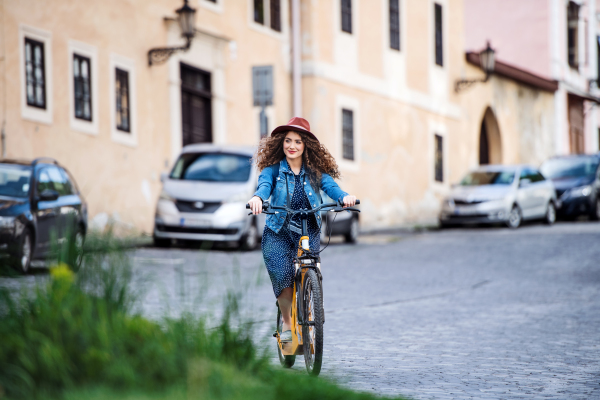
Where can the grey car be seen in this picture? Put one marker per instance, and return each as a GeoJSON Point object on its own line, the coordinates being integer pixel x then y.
{"type": "Point", "coordinates": [500, 194]}
{"type": "Point", "coordinates": [204, 197]}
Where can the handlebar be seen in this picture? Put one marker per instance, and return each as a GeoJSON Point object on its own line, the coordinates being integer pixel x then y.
{"type": "Point", "coordinates": [336, 207]}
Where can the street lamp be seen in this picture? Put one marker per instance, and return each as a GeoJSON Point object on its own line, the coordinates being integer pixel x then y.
{"type": "Point", "coordinates": [487, 60]}
{"type": "Point", "coordinates": [186, 18]}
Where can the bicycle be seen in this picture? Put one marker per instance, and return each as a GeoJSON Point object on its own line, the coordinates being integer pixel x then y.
{"type": "Point", "coordinates": [308, 314]}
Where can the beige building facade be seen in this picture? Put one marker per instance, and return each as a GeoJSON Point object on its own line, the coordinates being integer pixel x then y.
{"type": "Point", "coordinates": [374, 78]}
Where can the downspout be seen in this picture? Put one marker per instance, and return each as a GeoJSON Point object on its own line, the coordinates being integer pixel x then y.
{"type": "Point", "coordinates": [3, 59]}
{"type": "Point", "coordinates": [296, 62]}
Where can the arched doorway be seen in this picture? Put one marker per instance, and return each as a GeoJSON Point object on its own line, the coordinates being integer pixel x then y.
{"type": "Point", "coordinates": [490, 145]}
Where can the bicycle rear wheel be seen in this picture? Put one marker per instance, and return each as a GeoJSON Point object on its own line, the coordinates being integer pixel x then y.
{"type": "Point", "coordinates": [312, 330]}
{"type": "Point", "coordinates": [286, 361]}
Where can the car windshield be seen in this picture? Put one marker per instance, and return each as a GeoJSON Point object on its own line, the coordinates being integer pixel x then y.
{"type": "Point", "coordinates": [569, 167]}
{"type": "Point", "coordinates": [212, 167]}
{"type": "Point", "coordinates": [14, 180]}
{"type": "Point", "coordinates": [479, 178]}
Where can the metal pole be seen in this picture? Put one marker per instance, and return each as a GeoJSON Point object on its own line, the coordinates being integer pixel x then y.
{"type": "Point", "coordinates": [296, 62]}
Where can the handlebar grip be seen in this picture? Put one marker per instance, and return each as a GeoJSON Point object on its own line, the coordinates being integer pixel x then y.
{"type": "Point", "coordinates": [247, 206]}
{"type": "Point", "coordinates": [357, 202]}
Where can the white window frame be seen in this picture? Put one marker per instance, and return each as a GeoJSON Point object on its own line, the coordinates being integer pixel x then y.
{"type": "Point", "coordinates": [29, 112]}
{"type": "Point", "coordinates": [266, 28]}
{"type": "Point", "coordinates": [126, 138]}
{"type": "Point", "coordinates": [216, 7]}
{"type": "Point", "coordinates": [91, 52]}
{"type": "Point", "coordinates": [440, 129]}
{"type": "Point", "coordinates": [352, 104]}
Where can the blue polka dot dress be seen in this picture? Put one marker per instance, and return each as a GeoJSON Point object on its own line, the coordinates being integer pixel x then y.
{"type": "Point", "coordinates": [279, 248]}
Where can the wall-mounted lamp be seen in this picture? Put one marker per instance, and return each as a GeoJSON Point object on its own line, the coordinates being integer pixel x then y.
{"type": "Point", "coordinates": [185, 18]}
{"type": "Point", "coordinates": [487, 60]}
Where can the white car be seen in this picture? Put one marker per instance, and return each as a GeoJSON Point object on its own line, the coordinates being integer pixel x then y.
{"type": "Point", "coordinates": [205, 195]}
{"type": "Point", "coordinates": [499, 193]}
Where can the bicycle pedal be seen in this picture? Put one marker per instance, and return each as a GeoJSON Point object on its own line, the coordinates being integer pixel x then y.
{"type": "Point", "coordinates": [275, 334]}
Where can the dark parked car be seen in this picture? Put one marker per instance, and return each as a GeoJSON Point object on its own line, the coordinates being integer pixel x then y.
{"type": "Point", "coordinates": [577, 182]}
{"type": "Point", "coordinates": [342, 223]}
{"type": "Point", "coordinates": [39, 201]}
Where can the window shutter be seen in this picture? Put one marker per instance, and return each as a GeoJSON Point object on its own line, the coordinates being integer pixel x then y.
{"type": "Point", "coordinates": [275, 15]}
{"type": "Point", "coordinates": [348, 134]}
{"type": "Point", "coordinates": [439, 38]}
{"type": "Point", "coordinates": [395, 24]}
{"type": "Point", "coordinates": [346, 8]}
{"type": "Point", "coordinates": [262, 85]}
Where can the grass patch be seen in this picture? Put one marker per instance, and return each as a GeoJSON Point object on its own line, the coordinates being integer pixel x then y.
{"type": "Point", "coordinates": [77, 336]}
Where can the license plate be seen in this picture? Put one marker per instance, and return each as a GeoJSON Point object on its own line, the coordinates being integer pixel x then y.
{"type": "Point", "coordinates": [463, 211]}
{"type": "Point", "coordinates": [194, 222]}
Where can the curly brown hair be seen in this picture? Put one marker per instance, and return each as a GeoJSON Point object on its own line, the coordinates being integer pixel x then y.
{"type": "Point", "coordinates": [316, 158]}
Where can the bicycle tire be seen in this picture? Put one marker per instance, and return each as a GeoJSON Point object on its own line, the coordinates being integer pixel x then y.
{"type": "Point", "coordinates": [311, 290]}
{"type": "Point", "coordinates": [286, 361]}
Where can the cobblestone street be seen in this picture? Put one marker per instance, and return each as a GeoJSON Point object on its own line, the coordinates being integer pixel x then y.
{"type": "Point", "coordinates": [482, 313]}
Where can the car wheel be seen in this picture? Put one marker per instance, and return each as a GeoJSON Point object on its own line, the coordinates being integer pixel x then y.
{"type": "Point", "coordinates": [352, 235]}
{"type": "Point", "coordinates": [250, 239]}
{"type": "Point", "coordinates": [78, 241]}
{"type": "Point", "coordinates": [550, 214]}
{"type": "Point", "coordinates": [514, 218]}
{"type": "Point", "coordinates": [160, 242]}
{"type": "Point", "coordinates": [24, 252]}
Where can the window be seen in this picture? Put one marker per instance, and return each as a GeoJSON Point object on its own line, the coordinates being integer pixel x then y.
{"type": "Point", "coordinates": [35, 75]}
{"type": "Point", "coordinates": [395, 24]}
{"type": "Point", "coordinates": [43, 181]}
{"type": "Point", "coordinates": [598, 61]}
{"type": "Point", "coordinates": [59, 181]}
{"type": "Point", "coordinates": [259, 12]}
{"type": "Point", "coordinates": [347, 134]}
{"type": "Point", "coordinates": [196, 105]}
{"type": "Point", "coordinates": [439, 42]}
{"type": "Point", "coordinates": [439, 158]}
{"type": "Point", "coordinates": [275, 15]}
{"type": "Point", "coordinates": [346, 15]}
{"type": "Point", "coordinates": [82, 85]}
{"type": "Point", "coordinates": [212, 167]}
{"type": "Point", "coordinates": [262, 89]}
{"type": "Point", "coordinates": [122, 97]}
{"type": "Point", "coordinates": [573, 34]}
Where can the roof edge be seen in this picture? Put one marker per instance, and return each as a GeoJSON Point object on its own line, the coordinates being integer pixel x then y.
{"type": "Point", "coordinates": [516, 74]}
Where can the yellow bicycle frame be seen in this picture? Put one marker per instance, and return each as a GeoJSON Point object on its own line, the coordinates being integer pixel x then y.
{"type": "Point", "coordinates": [295, 347]}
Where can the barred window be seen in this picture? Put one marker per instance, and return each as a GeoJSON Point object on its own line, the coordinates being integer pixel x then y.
{"type": "Point", "coordinates": [439, 158]}
{"type": "Point", "coordinates": [122, 97]}
{"type": "Point", "coordinates": [276, 15]}
{"type": "Point", "coordinates": [346, 15]}
{"type": "Point", "coordinates": [82, 76]}
{"type": "Point", "coordinates": [348, 134]}
{"type": "Point", "coordinates": [439, 37]}
{"type": "Point", "coordinates": [35, 74]}
{"type": "Point", "coordinates": [395, 24]}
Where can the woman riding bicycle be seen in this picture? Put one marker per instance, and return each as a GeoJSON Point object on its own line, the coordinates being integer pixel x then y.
{"type": "Point", "coordinates": [294, 167]}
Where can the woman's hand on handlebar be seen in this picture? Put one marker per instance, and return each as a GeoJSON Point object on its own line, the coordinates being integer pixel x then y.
{"type": "Point", "coordinates": [349, 201]}
{"type": "Point", "coordinates": [256, 205]}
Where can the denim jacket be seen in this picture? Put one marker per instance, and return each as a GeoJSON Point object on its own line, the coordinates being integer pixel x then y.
{"type": "Point", "coordinates": [271, 183]}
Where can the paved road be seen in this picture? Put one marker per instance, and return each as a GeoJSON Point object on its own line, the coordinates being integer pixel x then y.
{"type": "Point", "coordinates": [463, 313]}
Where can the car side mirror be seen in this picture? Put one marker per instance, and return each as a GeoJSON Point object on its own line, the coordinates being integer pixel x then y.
{"type": "Point", "coordinates": [49, 195]}
{"type": "Point", "coordinates": [163, 176]}
{"type": "Point", "coordinates": [525, 182]}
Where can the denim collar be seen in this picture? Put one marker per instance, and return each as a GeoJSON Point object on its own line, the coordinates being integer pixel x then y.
{"type": "Point", "coordinates": [284, 166]}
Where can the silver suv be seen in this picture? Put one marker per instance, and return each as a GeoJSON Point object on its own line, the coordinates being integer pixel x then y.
{"type": "Point", "coordinates": [204, 198]}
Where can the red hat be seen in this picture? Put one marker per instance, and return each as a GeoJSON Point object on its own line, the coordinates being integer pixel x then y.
{"type": "Point", "coordinates": [295, 124]}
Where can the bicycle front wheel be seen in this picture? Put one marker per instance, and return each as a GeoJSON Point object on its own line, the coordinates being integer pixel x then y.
{"type": "Point", "coordinates": [312, 330]}
{"type": "Point", "coordinates": [286, 361]}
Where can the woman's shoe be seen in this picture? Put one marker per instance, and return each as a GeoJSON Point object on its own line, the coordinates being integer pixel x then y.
{"type": "Point", "coordinates": [286, 336]}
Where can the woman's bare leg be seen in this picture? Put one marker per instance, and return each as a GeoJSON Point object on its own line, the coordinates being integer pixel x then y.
{"type": "Point", "coordinates": [285, 305]}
